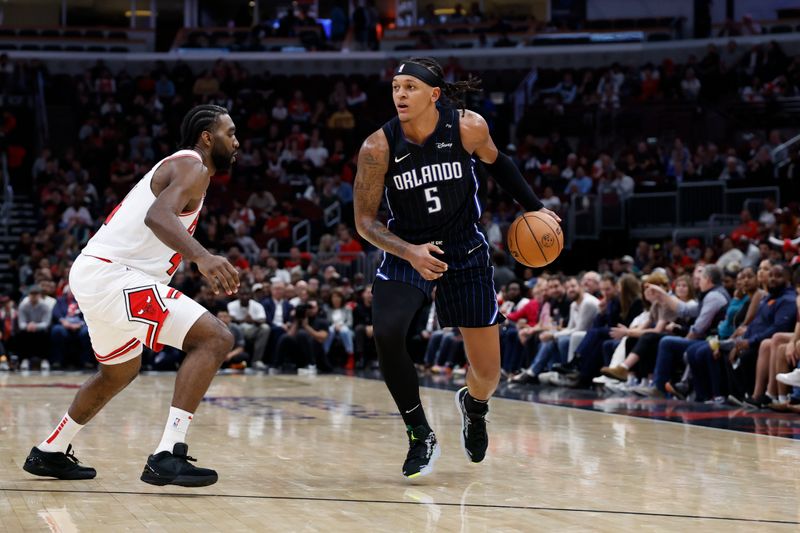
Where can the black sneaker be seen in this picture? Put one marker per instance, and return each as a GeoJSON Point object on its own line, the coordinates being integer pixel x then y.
{"type": "Point", "coordinates": [423, 450]}
{"type": "Point", "coordinates": [761, 402]}
{"type": "Point", "coordinates": [59, 465]}
{"type": "Point", "coordinates": [165, 468]}
{"type": "Point", "coordinates": [474, 439]}
{"type": "Point", "coordinates": [566, 368]}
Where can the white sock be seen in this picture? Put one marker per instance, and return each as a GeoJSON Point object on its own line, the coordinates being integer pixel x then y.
{"type": "Point", "coordinates": [59, 439]}
{"type": "Point", "coordinates": [175, 430]}
{"type": "Point", "coordinates": [783, 398]}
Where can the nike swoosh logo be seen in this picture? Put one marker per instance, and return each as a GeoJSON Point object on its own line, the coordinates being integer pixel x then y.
{"type": "Point", "coordinates": [413, 408]}
{"type": "Point", "coordinates": [398, 159]}
{"type": "Point", "coordinates": [474, 249]}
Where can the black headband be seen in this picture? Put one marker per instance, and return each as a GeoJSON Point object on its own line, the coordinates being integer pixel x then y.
{"type": "Point", "coordinates": [420, 72]}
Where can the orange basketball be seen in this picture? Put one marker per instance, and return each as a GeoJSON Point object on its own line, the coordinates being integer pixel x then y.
{"type": "Point", "coordinates": [535, 239]}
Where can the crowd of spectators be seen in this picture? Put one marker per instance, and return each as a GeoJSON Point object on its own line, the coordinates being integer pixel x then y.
{"type": "Point", "coordinates": [309, 307]}
{"type": "Point", "coordinates": [717, 327]}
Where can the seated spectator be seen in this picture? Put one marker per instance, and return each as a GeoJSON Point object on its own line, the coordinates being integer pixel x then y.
{"type": "Point", "coordinates": [33, 338]}
{"type": "Point", "coordinates": [748, 228]}
{"type": "Point", "coordinates": [316, 153]}
{"type": "Point", "coordinates": [777, 313]}
{"type": "Point", "coordinates": [591, 353]}
{"type": "Point", "coordinates": [341, 119]}
{"type": "Point", "coordinates": [710, 311]}
{"type": "Point", "coordinates": [8, 330]}
{"type": "Point", "coordinates": [662, 322]}
{"type": "Point", "coordinates": [554, 345]}
{"type": "Point", "coordinates": [277, 309]}
{"type": "Point", "coordinates": [340, 318]}
{"type": "Point", "coordinates": [299, 110]}
{"type": "Point", "coordinates": [690, 86]}
{"type": "Point", "coordinates": [491, 229]}
{"type": "Point", "coordinates": [237, 358]}
{"type": "Point", "coordinates": [251, 319]}
{"type": "Point", "coordinates": [306, 333]}
{"type": "Point", "coordinates": [70, 328]}
{"type": "Point", "coordinates": [524, 315]}
{"type": "Point", "coordinates": [550, 200]}
{"type": "Point", "coordinates": [580, 184]}
{"type": "Point", "coordinates": [362, 319]}
{"type": "Point", "coordinates": [347, 247]}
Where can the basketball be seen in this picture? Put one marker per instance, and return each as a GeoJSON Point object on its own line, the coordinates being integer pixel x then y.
{"type": "Point", "coordinates": [535, 239]}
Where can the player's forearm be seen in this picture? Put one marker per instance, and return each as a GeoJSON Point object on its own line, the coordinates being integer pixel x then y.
{"type": "Point", "coordinates": [379, 235]}
{"type": "Point", "coordinates": [508, 176]}
{"type": "Point", "coordinates": [171, 232]}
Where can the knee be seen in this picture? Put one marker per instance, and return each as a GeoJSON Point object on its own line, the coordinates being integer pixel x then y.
{"type": "Point", "coordinates": [223, 341]}
{"type": "Point", "coordinates": [219, 341]}
{"type": "Point", "coordinates": [486, 374]}
{"type": "Point", "coordinates": [58, 332]}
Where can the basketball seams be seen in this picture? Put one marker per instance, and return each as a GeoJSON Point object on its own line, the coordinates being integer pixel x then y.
{"type": "Point", "coordinates": [543, 218]}
{"type": "Point", "coordinates": [535, 239]}
{"type": "Point", "coordinates": [516, 241]}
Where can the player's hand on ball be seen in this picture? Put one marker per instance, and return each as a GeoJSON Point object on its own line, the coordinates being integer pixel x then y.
{"type": "Point", "coordinates": [220, 273]}
{"type": "Point", "coordinates": [430, 268]}
{"type": "Point", "coordinates": [551, 213]}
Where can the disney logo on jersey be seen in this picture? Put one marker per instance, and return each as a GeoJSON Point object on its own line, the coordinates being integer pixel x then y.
{"type": "Point", "coordinates": [428, 174]}
{"type": "Point", "coordinates": [444, 145]}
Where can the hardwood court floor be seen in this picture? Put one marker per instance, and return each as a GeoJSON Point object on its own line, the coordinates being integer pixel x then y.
{"type": "Point", "coordinates": [323, 453]}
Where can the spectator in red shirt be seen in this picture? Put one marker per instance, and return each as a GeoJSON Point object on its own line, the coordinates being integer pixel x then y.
{"type": "Point", "coordinates": [748, 228]}
{"type": "Point", "coordinates": [277, 225]}
{"type": "Point", "coordinates": [237, 259]}
{"type": "Point", "coordinates": [681, 263]}
{"type": "Point", "coordinates": [297, 258]}
{"type": "Point", "coordinates": [347, 246]}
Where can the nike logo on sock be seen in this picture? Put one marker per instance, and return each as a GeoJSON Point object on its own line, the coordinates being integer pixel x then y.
{"type": "Point", "coordinates": [406, 412]}
{"type": "Point", "coordinates": [398, 159]}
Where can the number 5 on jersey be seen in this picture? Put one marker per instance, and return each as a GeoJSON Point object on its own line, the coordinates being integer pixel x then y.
{"type": "Point", "coordinates": [431, 198]}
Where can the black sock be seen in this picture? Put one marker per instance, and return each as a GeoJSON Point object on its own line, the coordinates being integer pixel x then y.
{"type": "Point", "coordinates": [415, 418]}
{"type": "Point", "coordinates": [394, 306]}
{"type": "Point", "coordinates": [475, 407]}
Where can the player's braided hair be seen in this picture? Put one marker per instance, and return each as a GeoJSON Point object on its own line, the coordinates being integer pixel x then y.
{"type": "Point", "coordinates": [455, 92]}
{"type": "Point", "coordinates": [197, 120]}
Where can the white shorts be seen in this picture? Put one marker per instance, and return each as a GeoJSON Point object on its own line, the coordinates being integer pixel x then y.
{"type": "Point", "coordinates": [125, 309]}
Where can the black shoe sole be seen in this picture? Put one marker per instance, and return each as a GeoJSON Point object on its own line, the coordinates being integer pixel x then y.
{"type": "Point", "coordinates": [44, 472]}
{"type": "Point", "coordinates": [183, 481]}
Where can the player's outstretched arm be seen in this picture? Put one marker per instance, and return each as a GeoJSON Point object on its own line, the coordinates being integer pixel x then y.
{"type": "Point", "coordinates": [373, 163]}
{"type": "Point", "coordinates": [477, 140]}
{"type": "Point", "coordinates": [187, 181]}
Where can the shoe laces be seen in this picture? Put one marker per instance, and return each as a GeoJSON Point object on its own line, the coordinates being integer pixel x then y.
{"type": "Point", "coordinates": [420, 448]}
{"type": "Point", "coordinates": [70, 454]}
{"type": "Point", "coordinates": [186, 457]}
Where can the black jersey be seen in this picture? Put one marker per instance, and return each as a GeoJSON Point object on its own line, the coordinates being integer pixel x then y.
{"type": "Point", "coordinates": [432, 189]}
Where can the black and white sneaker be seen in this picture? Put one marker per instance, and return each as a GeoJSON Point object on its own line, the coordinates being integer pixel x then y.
{"type": "Point", "coordinates": [165, 468]}
{"type": "Point", "coordinates": [474, 438]}
{"type": "Point", "coordinates": [59, 465]}
{"type": "Point", "coordinates": [423, 451]}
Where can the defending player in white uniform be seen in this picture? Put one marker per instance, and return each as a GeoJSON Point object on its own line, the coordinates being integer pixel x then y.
{"type": "Point", "coordinates": [120, 282]}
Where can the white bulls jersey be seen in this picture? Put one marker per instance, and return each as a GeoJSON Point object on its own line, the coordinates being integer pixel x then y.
{"type": "Point", "coordinates": [125, 239]}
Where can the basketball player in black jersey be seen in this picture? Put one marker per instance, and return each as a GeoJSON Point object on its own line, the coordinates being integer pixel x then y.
{"type": "Point", "coordinates": [422, 162]}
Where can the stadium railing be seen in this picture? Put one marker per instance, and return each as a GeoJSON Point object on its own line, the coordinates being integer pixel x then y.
{"type": "Point", "coordinates": [471, 59]}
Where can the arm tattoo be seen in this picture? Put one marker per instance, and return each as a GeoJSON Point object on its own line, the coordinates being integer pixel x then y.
{"type": "Point", "coordinates": [373, 161]}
